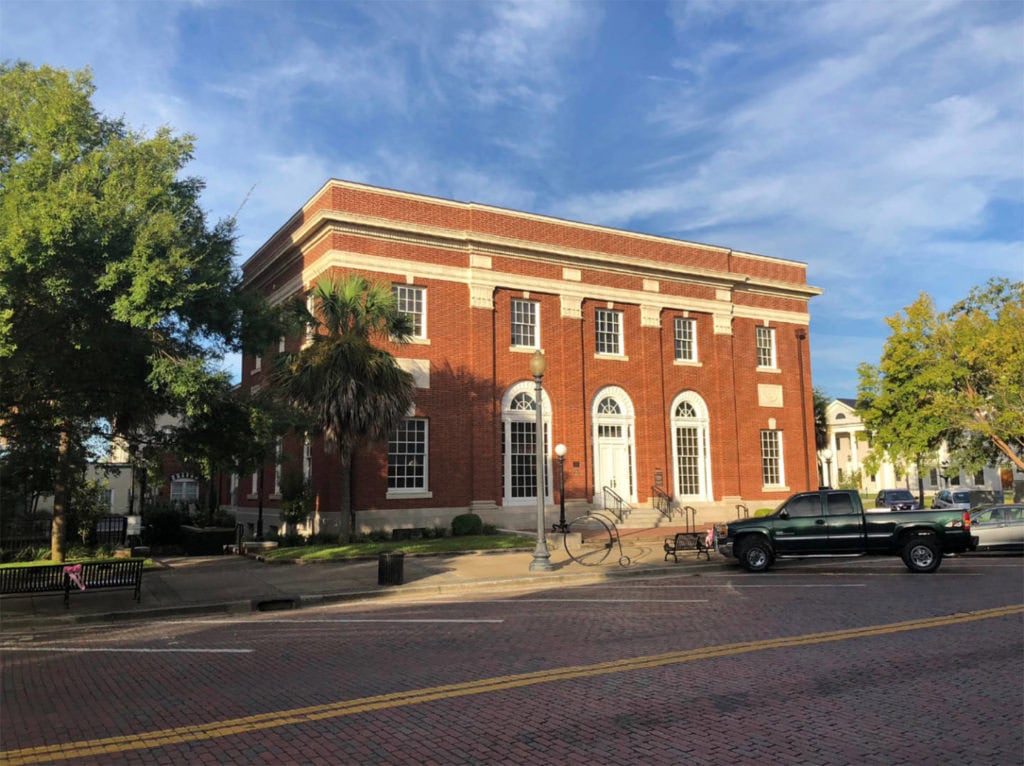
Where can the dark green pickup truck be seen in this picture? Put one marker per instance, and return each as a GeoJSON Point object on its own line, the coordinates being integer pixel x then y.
{"type": "Point", "coordinates": [832, 522]}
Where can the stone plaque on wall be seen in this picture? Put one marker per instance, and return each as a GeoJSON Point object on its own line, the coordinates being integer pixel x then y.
{"type": "Point", "coordinates": [769, 394]}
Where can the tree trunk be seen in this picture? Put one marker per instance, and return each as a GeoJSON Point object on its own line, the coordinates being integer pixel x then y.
{"type": "Point", "coordinates": [60, 500]}
{"type": "Point", "coordinates": [259, 505]}
{"type": "Point", "coordinates": [348, 514]}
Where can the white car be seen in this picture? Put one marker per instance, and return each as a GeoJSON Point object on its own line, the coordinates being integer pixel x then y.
{"type": "Point", "coordinates": [963, 499]}
{"type": "Point", "coordinates": [999, 527]}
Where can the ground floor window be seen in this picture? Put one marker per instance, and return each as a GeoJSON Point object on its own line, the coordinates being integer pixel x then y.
{"type": "Point", "coordinates": [184, 491]}
{"type": "Point", "coordinates": [519, 444]}
{"type": "Point", "coordinates": [771, 458]}
{"type": "Point", "coordinates": [407, 456]}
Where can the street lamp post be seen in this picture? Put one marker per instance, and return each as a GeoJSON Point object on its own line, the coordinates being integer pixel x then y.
{"type": "Point", "coordinates": [561, 526]}
{"type": "Point", "coordinates": [541, 557]}
{"type": "Point", "coordinates": [827, 454]}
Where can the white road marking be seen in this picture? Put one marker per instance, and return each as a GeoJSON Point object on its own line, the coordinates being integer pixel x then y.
{"type": "Point", "coordinates": [300, 621]}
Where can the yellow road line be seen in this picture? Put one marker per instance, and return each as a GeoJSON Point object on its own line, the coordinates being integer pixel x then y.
{"type": "Point", "coordinates": [215, 729]}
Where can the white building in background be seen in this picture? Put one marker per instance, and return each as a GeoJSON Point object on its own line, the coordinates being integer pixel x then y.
{"type": "Point", "coordinates": [848, 447]}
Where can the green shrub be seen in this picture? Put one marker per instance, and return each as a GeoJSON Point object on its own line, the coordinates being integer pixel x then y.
{"type": "Point", "coordinates": [763, 512]}
{"type": "Point", "coordinates": [439, 532]}
{"type": "Point", "coordinates": [322, 538]}
{"type": "Point", "coordinates": [467, 524]}
{"type": "Point", "coordinates": [378, 536]}
{"type": "Point", "coordinates": [489, 529]}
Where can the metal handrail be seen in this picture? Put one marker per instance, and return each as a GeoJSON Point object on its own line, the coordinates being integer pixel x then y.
{"type": "Point", "coordinates": [619, 508]}
{"type": "Point", "coordinates": [664, 502]}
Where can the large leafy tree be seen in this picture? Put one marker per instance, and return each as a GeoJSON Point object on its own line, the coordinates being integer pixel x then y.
{"type": "Point", "coordinates": [117, 297]}
{"type": "Point", "coordinates": [349, 389]}
{"type": "Point", "coordinates": [954, 376]}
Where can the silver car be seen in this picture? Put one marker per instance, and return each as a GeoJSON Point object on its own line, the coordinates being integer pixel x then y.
{"type": "Point", "coordinates": [999, 527]}
{"type": "Point", "coordinates": [954, 500]}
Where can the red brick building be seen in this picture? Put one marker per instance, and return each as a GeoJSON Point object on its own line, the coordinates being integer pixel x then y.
{"type": "Point", "coordinates": [670, 364]}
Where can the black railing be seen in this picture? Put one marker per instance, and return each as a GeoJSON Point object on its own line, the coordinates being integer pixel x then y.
{"type": "Point", "coordinates": [664, 502]}
{"type": "Point", "coordinates": [615, 505]}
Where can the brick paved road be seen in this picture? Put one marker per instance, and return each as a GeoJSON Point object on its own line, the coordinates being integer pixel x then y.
{"type": "Point", "coordinates": [810, 663]}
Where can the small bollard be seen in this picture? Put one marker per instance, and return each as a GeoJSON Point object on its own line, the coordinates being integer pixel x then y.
{"type": "Point", "coordinates": [391, 569]}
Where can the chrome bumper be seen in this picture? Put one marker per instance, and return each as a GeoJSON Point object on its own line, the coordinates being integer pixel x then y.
{"type": "Point", "coordinates": [723, 548]}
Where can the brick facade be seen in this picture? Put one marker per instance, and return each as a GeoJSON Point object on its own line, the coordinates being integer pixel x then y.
{"type": "Point", "coordinates": [473, 261]}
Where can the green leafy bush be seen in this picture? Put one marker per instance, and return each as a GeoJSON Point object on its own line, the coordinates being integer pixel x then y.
{"type": "Point", "coordinates": [489, 529]}
{"type": "Point", "coordinates": [763, 512]}
{"type": "Point", "coordinates": [439, 532]}
{"type": "Point", "coordinates": [467, 524]}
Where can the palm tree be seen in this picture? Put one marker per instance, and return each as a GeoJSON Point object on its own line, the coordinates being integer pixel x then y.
{"type": "Point", "coordinates": [349, 389]}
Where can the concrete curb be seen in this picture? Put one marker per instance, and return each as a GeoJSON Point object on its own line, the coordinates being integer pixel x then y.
{"type": "Point", "coordinates": [287, 602]}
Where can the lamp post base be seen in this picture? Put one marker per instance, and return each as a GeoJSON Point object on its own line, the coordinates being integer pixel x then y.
{"type": "Point", "coordinates": [541, 559]}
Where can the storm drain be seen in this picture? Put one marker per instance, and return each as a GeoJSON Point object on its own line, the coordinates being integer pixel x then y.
{"type": "Point", "coordinates": [276, 604]}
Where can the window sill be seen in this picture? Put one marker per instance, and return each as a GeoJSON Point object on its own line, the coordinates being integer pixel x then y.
{"type": "Point", "coordinates": [274, 496]}
{"type": "Point", "coordinates": [252, 496]}
{"type": "Point", "coordinates": [774, 488]}
{"type": "Point", "coordinates": [408, 494]}
{"type": "Point", "coordinates": [773, 370]}
{"type": "Point", "coordinates": [687, 363]}
{"type": "Point", "coordinates": [525, 349]}
{"type": "Point", "coordinates": [418, 342]}
{"type": "Point", "coordinates": [612, 357]}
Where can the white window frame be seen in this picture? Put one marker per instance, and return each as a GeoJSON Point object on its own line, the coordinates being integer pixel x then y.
{"type": "Point", "coordinates": [528, 416]}
{"type": "Point", "coordinates": [280, 345]}
{"type": "Point", "coordinates": [682, 326]}
{"type": "Point", "coordinates": [605, 334]}
{"type": "Point", "coordinates": [771, 441]}
{"type": "Point", "coordinates": [762, 334]}
{"type": "Point", "coordinates": [183, 497]}
{"type": "Point", "coordinates": [423, 489]}
{"type": "Point", "coordinates": [257, 363]}
{"type": "Point", "coordinates": [416, 294]}
{"type": "Point", "coordinates": [307, 458]}
{"type": "Point", "coordinates": [531, 311]}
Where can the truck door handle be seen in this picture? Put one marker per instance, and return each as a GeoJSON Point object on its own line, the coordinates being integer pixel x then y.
{"type": "Point", "coordinates": [819, 521]}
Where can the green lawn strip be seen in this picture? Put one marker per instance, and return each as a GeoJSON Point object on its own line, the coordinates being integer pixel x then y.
{"type": "Point", "coordinates": [410, 547]}
{"type": "Point", "coordinates": [24, 564]}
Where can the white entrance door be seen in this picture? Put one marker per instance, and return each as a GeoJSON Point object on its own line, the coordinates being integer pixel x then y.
{"type": "Point", "coordinates": [614, 467]}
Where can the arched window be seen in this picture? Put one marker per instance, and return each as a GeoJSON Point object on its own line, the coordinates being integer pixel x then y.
{"type": "Point", "coordinates": [691, 458]}
{"type": "Point", "coordinates": [519, 442]}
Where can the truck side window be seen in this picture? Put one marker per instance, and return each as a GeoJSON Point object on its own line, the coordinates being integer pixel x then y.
{"type": "Point", "coordinates": [839, 504]}
{"type": "Point", "coordinates": [802, 507]}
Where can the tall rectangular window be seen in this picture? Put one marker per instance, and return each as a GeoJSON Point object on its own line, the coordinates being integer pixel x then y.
{"type": "Point", "coordinates": [412, 300]}
{"type": "Point", "coordinates": [278, 456]}
{"type": "Point", "coordinates": [407, 456]}
{"type": "Point", "coordinates": [105, 497]}
{"type": "Point", "coordinates": [771, 458]}
{"type": "Point", "coordinates": [608, 326]}
{"type": "Point", "coordinates": [686, 340]}
{"type": "Point", "coordinates": [307, 458]}
{"type": "Point", "coordinates": [766, 347]}
{"type": "Point", "coordinates": [525, 323]}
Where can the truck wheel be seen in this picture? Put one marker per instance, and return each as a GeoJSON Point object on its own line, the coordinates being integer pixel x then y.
{"type": "Point", "coordinates": [755, 555]}
{"type": "Point", "coordinates": [922, 554]}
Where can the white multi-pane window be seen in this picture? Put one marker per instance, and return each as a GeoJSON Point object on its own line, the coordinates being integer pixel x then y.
{"type": "Point", "coordinates": [525, 323]}
{"type": "Point", "coordinates": [765, 346]}
{"type": "Point", "coordinates": [257, 363]}
{"type": "Point", "coordinates": [255, 483]}
{"type": "Point", "coordinates": [771, 458]}
{"type": "Point", "coordinates": [234, 488]}
{"type": "Point", "coordinates": [280, 345]}
{"type": "Point", "coordinates": [184, 491]}
{"type": "Point", "coordinates": [105, 497]}
{"type": "Point", "coordinates": [686, 339]}
{"type": "Point", "coordinates": [412, 300]}
{"type": "Point", "coordinates": [307, 458]}
{"type": "Point", "coordinates": [608, 326]}
{"type": "Point", "coordinates": [407, 456]}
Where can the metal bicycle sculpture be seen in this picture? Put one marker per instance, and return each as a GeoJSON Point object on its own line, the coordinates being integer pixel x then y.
{"type": "Point", "coordinates": [598, 536]}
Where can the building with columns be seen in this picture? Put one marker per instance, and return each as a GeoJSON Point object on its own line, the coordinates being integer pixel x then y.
{"type": "Point", "coordinates": [672, 367]}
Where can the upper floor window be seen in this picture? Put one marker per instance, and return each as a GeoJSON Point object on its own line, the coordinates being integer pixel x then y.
{"type": "Point", "coordinates": [257, 363]}
{"type": "Point", "coordinates": [307, 458]}
{"type": "Point", "coordinates": [407, 456]}
{"type": "Point", "coordinates": [771, 458]}
{"type": "Point", "coordinates": [280, 345]}
{"type": "Point", "coordinates": [608, 326]}
{"type": "Point", "coordinates": [412, 300]}
{"type": "Point", "coordinates": [686, 339]}
{"type": "Point", "coordinates": [766, 347]}
{"type": "Point", "coordinates": [525, 323]}
{"type": "Point", "coordinates": [184, 491]}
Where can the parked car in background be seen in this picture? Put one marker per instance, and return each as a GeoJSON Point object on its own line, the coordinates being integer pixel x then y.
{"type": "Point", "coordinates": [965, 498]}
{"type": "Point", "coordinates": [896, 500]}
{"type": "Point", "coordinates": [999, 527]}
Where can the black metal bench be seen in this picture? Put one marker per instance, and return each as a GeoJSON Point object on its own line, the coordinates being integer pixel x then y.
{"type": "Point", "coordinates": [687, 541]}
{"type": "Point", "coordinates": [51, 578]}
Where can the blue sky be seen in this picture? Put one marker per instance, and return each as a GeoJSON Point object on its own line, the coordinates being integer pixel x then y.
{"type": "Point", "coordinates": [881, 143]}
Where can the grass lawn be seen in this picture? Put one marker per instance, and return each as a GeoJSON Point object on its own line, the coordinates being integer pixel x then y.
{"type": "Point", "coordinates": [68, 562]}
{"type": "Point", "coordinates": [435, 545]}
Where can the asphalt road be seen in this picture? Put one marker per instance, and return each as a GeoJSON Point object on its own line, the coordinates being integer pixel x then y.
{"type": "Point", "coordinates": [841, 662]}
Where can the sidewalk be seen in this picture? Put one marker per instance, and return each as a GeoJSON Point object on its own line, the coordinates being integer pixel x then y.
{"type": "Point", "coordinates": [239, 584]}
